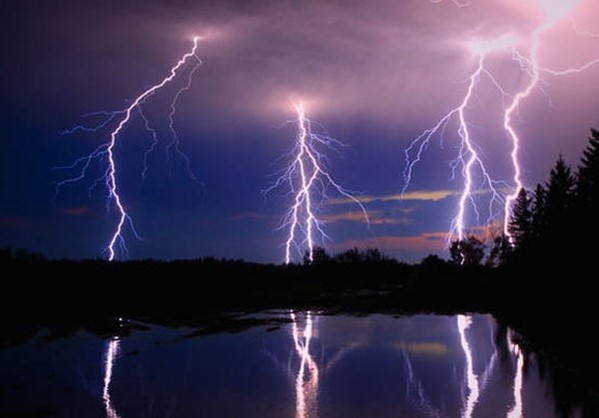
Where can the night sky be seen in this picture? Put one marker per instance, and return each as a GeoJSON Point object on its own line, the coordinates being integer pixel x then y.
{"type": "Point", "coordinates": [374, 74]}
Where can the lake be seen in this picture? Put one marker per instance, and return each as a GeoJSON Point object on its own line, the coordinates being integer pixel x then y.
{"type": "Point", "coordinates": [314, 366]}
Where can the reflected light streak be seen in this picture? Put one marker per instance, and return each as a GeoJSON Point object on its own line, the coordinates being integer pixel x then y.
{"type": "Point", "coordinates": [517, 409]}
{"type": "Point", "coordinates": [338, 356]}
{"type": "Point", "coordinates": [111, 354]}
{"type": "Point", "coordinates": [306, 382]}
{"type": "Point", "coordinates": [490, 369]}
{"type": "Point", "coordinates": [415, 392]}
{"type": "Point", "coordinates": [307, 390]}
{"type": "Point", "coordinates": [464, 323]}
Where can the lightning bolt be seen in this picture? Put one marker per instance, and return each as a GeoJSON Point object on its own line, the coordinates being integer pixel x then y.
{"type": "Point", "coordinates": [307, 178]}
{"type": "Point", "coordinates": [106, 151]}
{"type": "Point", "coordinates": [468, 158]}
{"type": "Point", "coordinates": [512, 134]}
{"type": "Point", "coordinates": [111, 354]}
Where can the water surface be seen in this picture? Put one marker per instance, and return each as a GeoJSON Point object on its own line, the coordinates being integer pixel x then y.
{"type": "Point", "coordinates": [316, 366]}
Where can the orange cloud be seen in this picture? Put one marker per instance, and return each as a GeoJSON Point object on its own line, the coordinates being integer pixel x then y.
{"type": "Point", "coordinates": [375, 217]}
{"type": "Point", "coordinates": [346, 216]}
{"type": "Point", "coordinates": [423, 348]}
{"type": "Point", "coordinates": [76, 211]}
{"type": "Point", "coordinates": [407, 210]}
{"type": "Point", "coordinates": [385, 221]}
{"type": "Point", "coordinates": [431, 241]}
{"type": "Point", "coordinates": [432, 195]}
{"type": "Point", "coordinates": [15, 222]}
{"type": "Point", "coordinates": [249, 215]}
{"type": "Point", "coordinates": [427, 195]}
{"type": "Point", "coordinates": [486, 232]}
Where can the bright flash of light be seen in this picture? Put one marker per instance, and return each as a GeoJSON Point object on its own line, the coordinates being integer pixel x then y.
{"type": "Point", "coordinates": [482, 47]}
{"type": "Point", "coordinates": [468, 156]}
{"type": "Point", "coordinates": [106, 151]}
{"type": "Point", "coordinates": [464, 323]}
{"type": "Point", "coordinates": [516, 410]}
{"type": "Point", "coordinates": [111, 353]}
{"type": "Point", "coordinates": [307, 178]}
{"type": "Point", "coordinates": [556, 10]}
{"type": "Point", "coordinates": [307, 379]}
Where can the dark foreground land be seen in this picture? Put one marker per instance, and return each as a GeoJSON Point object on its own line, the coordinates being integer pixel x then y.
{"type": "Point", "coordinates": [554, 311]}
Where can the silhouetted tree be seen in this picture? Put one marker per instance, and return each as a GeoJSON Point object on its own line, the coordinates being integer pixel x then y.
{"type": "Point", "coordinates": [467, 252]}
{"type": "Point", "coordinates": [552, 220]}
{"type": "Point", "coordinates": [373, 255]}
{"type": "Point", "coordinates": [5, 254]}
{"type": "Point", "coordinates": [520, 223]}
{"type": "Point", "coordinates": [558, 205]}
{"type": "Point", "coordinates": [25, 256]}
{"type": "Point", "coordinates": [350, 256]}
{"type": "Point", "coordinates": [432, 260]}
{"type": "Point", "coordinates": [587, 194]}
{"type": "Point", "coordinates": [587, 181]}
{"type": "Point", "coordinates": [539, 218]}
{"type": "Point", "coordinates": [355, 256]}
{"type": "Point", "coordinates": [500, 252]}
{"type": "Point", "coordinates": [319, 256]}
{"type": "Point", "coordinates": [560, 189]}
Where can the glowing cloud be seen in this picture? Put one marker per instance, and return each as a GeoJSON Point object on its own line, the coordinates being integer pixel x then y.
{"type": "Point", "coordinates": [376, 217]}
{"type": "Point", "coordinates": [429, 242]}
{"type": "Point", "coordinates": [432, 195]}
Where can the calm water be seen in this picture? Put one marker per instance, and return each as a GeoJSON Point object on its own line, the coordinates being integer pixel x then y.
{"type": "Point", "coordinates": [317, 366]}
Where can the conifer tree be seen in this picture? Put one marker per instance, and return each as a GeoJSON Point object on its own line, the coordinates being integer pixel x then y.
{"type": "Point", "coordinates": [557, 236]}
{"type": "Point", "coordinates": [539, 219]}
{"type": "Point", "coordinates": [587, 197]}
{"type": "Point", "coordinates": [587, 181]}
{"type": "Point", "coordinates": [520, 224]}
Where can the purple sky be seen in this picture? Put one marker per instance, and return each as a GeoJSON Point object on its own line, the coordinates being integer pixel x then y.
{"type": "Point", "coordinates": [375, 74]}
